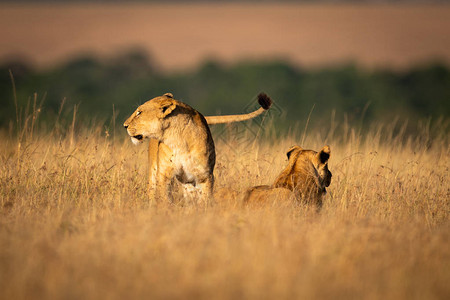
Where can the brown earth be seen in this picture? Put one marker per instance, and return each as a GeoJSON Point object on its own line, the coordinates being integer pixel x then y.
{"type": "Point", "coordinates": [179, 36]}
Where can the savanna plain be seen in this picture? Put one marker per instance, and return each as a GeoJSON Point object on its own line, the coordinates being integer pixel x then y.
{"type": "Point", "coordinates": [75, 221]}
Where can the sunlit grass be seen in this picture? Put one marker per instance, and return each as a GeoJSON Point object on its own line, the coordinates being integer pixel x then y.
{"type": "Point", "coordinates": [75, 221]}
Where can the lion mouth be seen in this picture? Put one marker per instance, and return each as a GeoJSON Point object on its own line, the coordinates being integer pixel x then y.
{"type": "Point", "coordinates": [138, 137]}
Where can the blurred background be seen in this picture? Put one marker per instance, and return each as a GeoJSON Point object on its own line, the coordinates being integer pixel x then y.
{"type": "Point", "coordinates": [341, 62]}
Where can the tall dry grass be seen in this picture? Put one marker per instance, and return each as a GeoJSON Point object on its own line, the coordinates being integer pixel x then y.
{"type": "Point", "coordinates": [75, 222]}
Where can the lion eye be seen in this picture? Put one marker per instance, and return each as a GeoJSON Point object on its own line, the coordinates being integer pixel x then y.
{"type": "Point", "coordinates": [138, 113]}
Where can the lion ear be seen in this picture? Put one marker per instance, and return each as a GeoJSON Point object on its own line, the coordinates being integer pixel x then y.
{"type": "Point", "coordinates": [324, 154]}
{"type": "Point", "coordinates": [292, 149]}
{"type": "Point", "coordinates": [166, 108]}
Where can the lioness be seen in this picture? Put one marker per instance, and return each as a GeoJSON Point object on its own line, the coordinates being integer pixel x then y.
{"type": "Point", "coordinates": [181, 145]}
{"type": "Point", "coordinates": [305, 178]}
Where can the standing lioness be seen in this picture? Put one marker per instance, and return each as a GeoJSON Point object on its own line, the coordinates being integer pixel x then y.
{"type": "Point", "coordinates": [181, 145]}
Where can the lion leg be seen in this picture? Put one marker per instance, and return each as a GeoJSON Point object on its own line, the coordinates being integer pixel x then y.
{"type": "Point", "coordinates": [206, 191]}
{"type": "Point", "coordinates": [160, 171]}
{"type": "Point", "coordinates": [165, 174]}
{"type": "Point", "coordinates": [163, 191]}
{"type": "Point", "coordinates": [153, 151]}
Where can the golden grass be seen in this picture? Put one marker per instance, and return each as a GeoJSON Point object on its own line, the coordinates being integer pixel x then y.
{"type": "Point", "coordinates": [75, 223]}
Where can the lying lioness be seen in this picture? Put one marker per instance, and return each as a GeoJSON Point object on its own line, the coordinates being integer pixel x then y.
{"type": "Point", "coordinates": [305, 178]}
{"type": "Point", "coordinates": [181, 145]}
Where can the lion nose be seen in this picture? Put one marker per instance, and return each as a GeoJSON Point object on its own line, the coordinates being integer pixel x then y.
{"type": "Point", "coordinates": [125, 125]}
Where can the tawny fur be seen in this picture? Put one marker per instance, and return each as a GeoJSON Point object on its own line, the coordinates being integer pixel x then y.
{"type": "Point", "coordinates": [181, 145]}
{"type": "Point", "coordinates": [305, 177]}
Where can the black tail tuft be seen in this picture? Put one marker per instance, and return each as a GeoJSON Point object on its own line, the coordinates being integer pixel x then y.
{"type": "Point", "coordinates": [264, 101]}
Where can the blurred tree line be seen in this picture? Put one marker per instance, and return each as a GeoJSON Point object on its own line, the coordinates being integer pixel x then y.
{"type": "Point", "coordinates": [99, 87]}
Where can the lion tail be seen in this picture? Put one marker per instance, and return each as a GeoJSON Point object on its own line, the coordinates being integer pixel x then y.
{"type": "Point", "coordinates": [263, 100]}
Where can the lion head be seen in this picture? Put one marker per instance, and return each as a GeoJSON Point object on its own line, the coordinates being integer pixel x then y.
{"type": "Point", "coordinates": [149, 119]}
{"type": "Point", "coordinates": [307, 173]}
